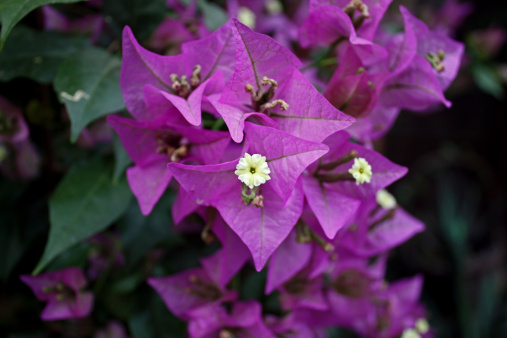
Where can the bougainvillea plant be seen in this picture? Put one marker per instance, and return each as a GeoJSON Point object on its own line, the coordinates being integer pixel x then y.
{"type": "Point", "coordinates": [246, 132]}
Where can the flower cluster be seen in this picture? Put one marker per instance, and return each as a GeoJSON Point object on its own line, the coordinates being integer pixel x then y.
{"type": "Point", "coordinates": [283, 175]}
{"type": "Point", "coordinates": [270, 151]}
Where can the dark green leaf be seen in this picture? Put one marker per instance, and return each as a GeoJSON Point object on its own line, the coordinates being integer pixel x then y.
{"type": "Point", "coordinates": [153, 319]}
{"type": "Point", "coordinates": [142, 16]}
{"type": "Point", "coordinates": [253, 286]}
{"type": "Point", "coordinates": [11, 11]}
{"type": "Point", "coordinates": [488, 304]}
{"type": "Point", "coordinates": [40, 62]}
{"type": "Point", "coordinates": [18, 230]}
{"type": "Point", "coordinates": [75, 256]}
{"type": "Point", "coordinates": [129, 283]}
{"type": "Point", "coordinates": [84, 203]}
{"type": "Point", "coordinates": [88, 83]}
{"type": "Point", "coordinates": [11, 243]}
{"type": "Point", "coordinates": [139, 234]}
{"type": "Point", "coordinates": [487, 80]}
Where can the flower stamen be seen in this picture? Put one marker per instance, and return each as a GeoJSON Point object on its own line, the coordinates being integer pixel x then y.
{"type": "Point", "coordinates": [195, 80]}
{"type": "Point", "coordinates": [283, 105]}
{"type": "Point", "coordinates": [436, 60]}
{"type": "Point", "coordinates": [358, 5]}
{"type": "Point", "coordinates": [176, 85]}
{"type": "Point", "coordinates": [181, 86]}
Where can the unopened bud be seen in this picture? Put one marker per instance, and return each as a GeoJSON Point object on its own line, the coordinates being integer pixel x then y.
{"type": "Point", "coordinates": [258, 201]}
{"type": "Point", "coordinates": [385, 199]}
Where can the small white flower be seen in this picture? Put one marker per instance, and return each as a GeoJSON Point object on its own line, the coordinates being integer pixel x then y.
{"type": "Point", "coordinates": [253, 170]}
{"type": "Point", "coordinates": [410, 333]}
{"type": "Point", "coordinates": [422, 326]}
{"type": "Point", "coordinates": [385, 199]}
{"type": "Point", "coordinates": [246, 17]}
{"type": "Point", "coordinates": [361, 171]}
{"type": "Point", "coordinates": [274, 7]}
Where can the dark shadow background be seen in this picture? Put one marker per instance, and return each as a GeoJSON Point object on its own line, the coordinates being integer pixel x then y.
{"type": "Point", "coordinates": [457, 186]}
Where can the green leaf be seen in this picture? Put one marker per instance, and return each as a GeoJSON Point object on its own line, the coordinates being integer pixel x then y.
{"type": "Point", "coordinates": [88, 83]}
{"type": "Point", "coordinates": [84, 203]}
{"type": "Point", "coordinates": [214, 15]}
{"type": "Point", "coordinates": [487, 307]}
{"type": "Point", "coordinates": [77, 255]}
{"type": "Point", "coordinates": [11, 11]}
{"type": "Point", "coordinates": [139, 233]}
{"type": "Point", "coordinates": [153, 319]}
{"type": "Point", "coordinates": [11, 243]}
{"type": "Point", "coordinates": [142, 16]}
{"type": "Point", "coordinates": [40, 62]}
{"type": "Point", "coordinates": [488, 80]}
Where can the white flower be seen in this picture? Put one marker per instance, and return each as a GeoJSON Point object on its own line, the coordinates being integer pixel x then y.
{"type": "Point", "coordinates": [385, 199]}
{"type": "Point", "coordinates": [246, 17]}
{"type": "Point", "coordinates": [253, 170]}
{"type": "Point", "coordinates": [361, 171]}
{"type": "Point", "coordinates": [422, 325]}
{"type": "Point", "coordinates": [274, 7]}
{"type": "Point", "coordinates": [410, 333]}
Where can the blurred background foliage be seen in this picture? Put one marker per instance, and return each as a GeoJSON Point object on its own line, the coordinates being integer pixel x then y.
{"type": "Point", "coordinates": [457, 186]}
